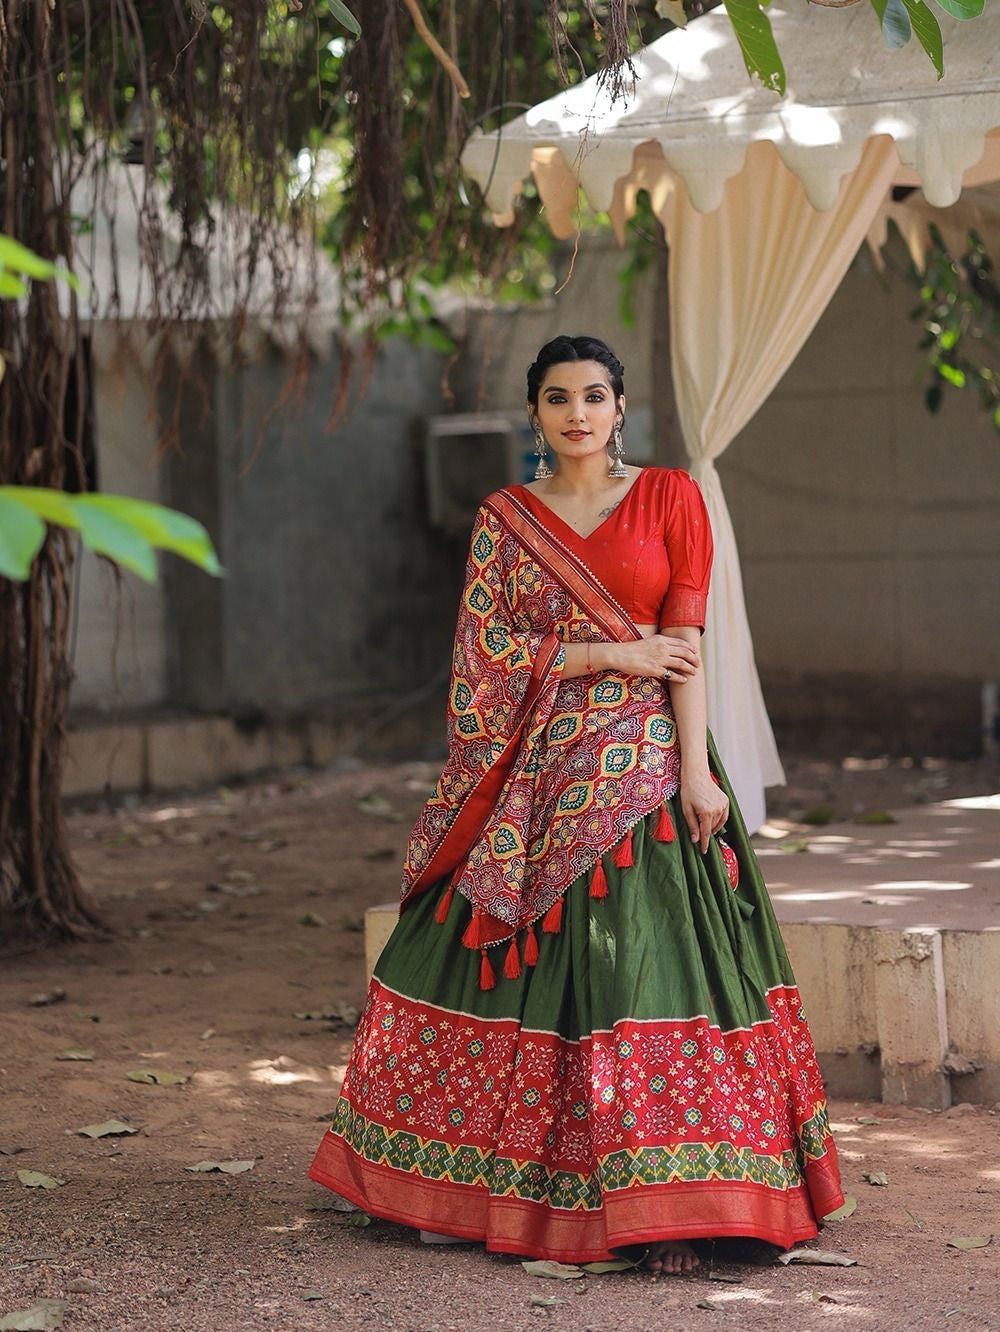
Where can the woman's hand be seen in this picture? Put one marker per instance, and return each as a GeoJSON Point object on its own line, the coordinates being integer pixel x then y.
{"type": "Point", "coordinates": [705, 806]}
{"type": "Point", "coordinates": [662, 657]}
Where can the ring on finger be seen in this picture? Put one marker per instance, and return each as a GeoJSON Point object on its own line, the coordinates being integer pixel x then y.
{"type": "Point", "coordinates": [668, 674]}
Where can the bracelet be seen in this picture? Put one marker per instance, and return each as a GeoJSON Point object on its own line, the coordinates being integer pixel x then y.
{"type": "Point", "coordinates": [590, 669]}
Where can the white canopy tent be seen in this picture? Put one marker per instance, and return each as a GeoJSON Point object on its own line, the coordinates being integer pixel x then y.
{"type": "Point", "coordinates": [765, 201]}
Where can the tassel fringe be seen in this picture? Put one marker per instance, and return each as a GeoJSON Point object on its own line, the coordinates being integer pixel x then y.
{"type": "Point", "coordinates": [530, 947]}
{"type": "Point", "coordinates": [473, 936]}
{"type": "Point", "coordinates": [599, 881]}
{"type": "Point", "coordinates": [512, 963]}
{"type": "Point", "coordinates": [444, 904]}
{"type": "Point", "coordinates": [623, 857]}
{"type": "Point", "coordinates": [664, 830]}
{"type": "Point", "coordinates": [487, 980]}
{"type": "Point", "coordinates": [552, 920]}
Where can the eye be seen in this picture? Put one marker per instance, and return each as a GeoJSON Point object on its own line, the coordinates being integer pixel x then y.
{"type": "Point", "coordinates": [596, 396]}
{"type": "Point", "coordinates": [555, 397]}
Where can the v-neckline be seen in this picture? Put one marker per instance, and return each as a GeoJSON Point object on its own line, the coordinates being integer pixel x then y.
{"type": "Point", "coordinates": [536, 499]}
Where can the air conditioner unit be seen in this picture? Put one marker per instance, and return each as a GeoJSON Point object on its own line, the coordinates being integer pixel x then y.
{"type": "Point", "coordinates": [466, 456]}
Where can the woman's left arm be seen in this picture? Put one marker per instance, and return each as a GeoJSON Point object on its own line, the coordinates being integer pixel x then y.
{"type": "Point", "coordinates": [705, 805]}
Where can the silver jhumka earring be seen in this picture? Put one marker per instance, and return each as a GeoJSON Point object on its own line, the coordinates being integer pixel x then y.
{"type": "Point", "coordinates": [543, 471]}
{"type": "Point", "coordinates": [617, 467]}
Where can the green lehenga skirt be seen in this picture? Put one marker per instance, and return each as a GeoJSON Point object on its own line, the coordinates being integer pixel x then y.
{"type": "Point", "coordinates": [650, 1076]}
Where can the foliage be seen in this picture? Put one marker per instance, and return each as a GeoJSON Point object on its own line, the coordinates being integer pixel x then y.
{"type": "Point", "coordinates": [959, 312]}
{"type": "Point", "coordinates": [899, 21]}
{"type": "Point", "coordinates": [125, 530]}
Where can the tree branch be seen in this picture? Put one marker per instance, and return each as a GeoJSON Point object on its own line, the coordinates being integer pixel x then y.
{"type": "Point", "coordinates": [436, 49]}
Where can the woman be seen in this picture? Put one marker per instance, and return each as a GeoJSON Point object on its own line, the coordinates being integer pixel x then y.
{"type": "Point", "coordinates": [583, 1033]}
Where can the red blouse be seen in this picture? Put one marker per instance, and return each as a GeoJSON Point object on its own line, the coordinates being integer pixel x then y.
{"type": "Point", "coordinates": [653, 552]}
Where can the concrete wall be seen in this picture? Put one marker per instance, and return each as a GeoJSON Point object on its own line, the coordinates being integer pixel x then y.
{"type": "Point", "coordinates": [869, 532]}
{"type": "Point", "coordinates": [120, 639]}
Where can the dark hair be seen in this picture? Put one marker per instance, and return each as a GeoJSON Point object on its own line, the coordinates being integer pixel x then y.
{"type": "Point", "coordinates": [563, 349]}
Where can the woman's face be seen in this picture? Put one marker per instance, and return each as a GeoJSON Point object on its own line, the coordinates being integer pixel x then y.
{"type": "Point", "coordinates": [577, 409]}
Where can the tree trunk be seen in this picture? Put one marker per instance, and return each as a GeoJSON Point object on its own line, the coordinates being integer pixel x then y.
{"type": "Point", "coordinates": [40, 892]}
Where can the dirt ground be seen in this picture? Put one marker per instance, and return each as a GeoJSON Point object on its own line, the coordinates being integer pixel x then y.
{"type": "Point", "coordinates": [239, 913]}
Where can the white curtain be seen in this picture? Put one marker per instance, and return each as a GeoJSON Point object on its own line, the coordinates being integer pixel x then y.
{"type": "Point", "coordinates": [747, 284]}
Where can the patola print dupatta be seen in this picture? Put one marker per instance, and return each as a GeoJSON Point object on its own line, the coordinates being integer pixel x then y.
{"type": "Point", "coordinates": [543, 775]}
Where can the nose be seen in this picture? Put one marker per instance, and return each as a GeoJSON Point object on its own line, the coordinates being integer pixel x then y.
{"type": "Point", "coordinates": [575, 410]}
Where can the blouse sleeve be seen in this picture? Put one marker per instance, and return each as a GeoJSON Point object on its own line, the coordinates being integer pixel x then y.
{"type": "Point", "coordinates": [689, 552]}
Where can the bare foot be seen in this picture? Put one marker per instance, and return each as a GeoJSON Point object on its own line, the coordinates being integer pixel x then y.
{"type": "Point", "coordinates": [673, 1256]}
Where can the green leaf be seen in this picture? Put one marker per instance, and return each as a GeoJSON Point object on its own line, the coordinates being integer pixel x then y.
{"type": "Point", "coordinates": [928, 32]}
{"type": "Point", "coordinates": [962, 9]}
{"type": "Point", "coordinates": [11, 285]}
{"type": "Point", "coordinates": [161, 527]}
{"type": "Point", "coordinates": [345, 18]}
{"type": "Point", "coordinates": [18, 257]}
{"type": "Point", "coordinates": [894, 22]}
{"type": "Point", "coordinates": [124, 529]}
{"type": "Point", "coordinates": [21, 534]}
{"type": "Point", "coordinates": [760, 52]}
{"type": "Point", "coordinates": [106, 533]}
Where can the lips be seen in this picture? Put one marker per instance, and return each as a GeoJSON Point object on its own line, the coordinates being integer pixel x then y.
{"type": "Point", "coordinates": [575, 434]}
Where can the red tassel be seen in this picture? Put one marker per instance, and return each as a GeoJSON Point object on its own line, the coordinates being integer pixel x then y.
{"type": "Point", "coordinates": [552, 920]}
{"type": "Point", "coordinates": [512, 963]}
{"type": "Point", "coordinates": [599, 881]}
{"type": "Point", "coordinates": [486, 978]}
{"type": "Point", "coordinates": [623, 852]}
{"type": "Point", "coordinates": [444, 903]}
{"type": "Point", "coordinates": [530, 947]}
{"type": "Point", "coordinates": [664, 830]}
{"type": "Point", "coordinates": [473, 936]}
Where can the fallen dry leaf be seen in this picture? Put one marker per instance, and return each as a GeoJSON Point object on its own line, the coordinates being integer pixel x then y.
{"type": "Point", "coordinates": [11, 1149]}
{"type": "Point", "coordinates": [110, 1128]}
{"type": "Point", "coordinates": [84, 1286]}
{"type": "Point", "coordinates": [311, 1294]}
{"type": "Point", "coordinates": [610, 1265]}
{"type": "Point", "coordinates": [156, 1075]}
{"type": "Point", "coordinates": [312, 918]}
{"type": "Point", "coordinates": [55, 996]}
{"type": "Point", "coordinates": [345, 1013]}
{"type": "Point", "coordinates": [724, 1276]}
{"type": "Point", "coordinates": [557, 1271]}
{"type": "Point", "coordinates": [877, 1178]}
{"type": "Point", "coordinates": [43, 1316]}
{"type": "Point", "coordinates": [356, 1219]}
{"type": "Point", "coordinates": [76, 1055]}
{"type": "Point", "coordinates": [378, 807]}
{"type": "Point", "coordinates": [709, 1304]}
{"type": "Point", "coordinates": [545, 1301]}
{"type": "Point", "coordinates": [969, 1241]}
{"type": "Point", "coordinates": [846, 1209]}
{"type": "Point", "coordinates": [35, 1179]}
{"type": "Point", "coordinates": [817, 1257]}
{"type": "Point", "coordinates": [335, 1203]}
{"type": "Point", "coordinates": [226, 1167]}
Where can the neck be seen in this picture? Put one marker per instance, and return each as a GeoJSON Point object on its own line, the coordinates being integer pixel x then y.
{"type": "Point", "coordinates": [582, 476]}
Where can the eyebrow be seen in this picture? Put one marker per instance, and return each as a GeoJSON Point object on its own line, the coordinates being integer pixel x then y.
{"type": "Point", "coordinates": [554, 388]}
